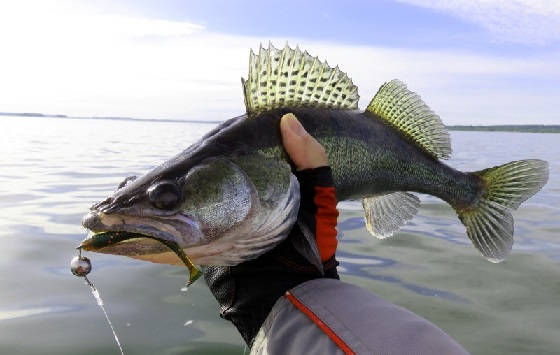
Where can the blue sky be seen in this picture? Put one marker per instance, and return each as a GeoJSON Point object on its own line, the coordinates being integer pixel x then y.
{"type": "Point", "coordinates": [382, 22]}
{"type": "Point", "coordinates": [386, 23]}
{"type": "Point", "coordinates": [474, 62]}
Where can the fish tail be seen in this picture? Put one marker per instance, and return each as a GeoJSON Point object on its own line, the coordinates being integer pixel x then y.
{"type": "Point", "coordinates": [489, 221]}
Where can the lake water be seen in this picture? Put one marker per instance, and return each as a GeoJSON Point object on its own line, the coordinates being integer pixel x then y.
{"type": "Point", "coordinates": [52, 170]}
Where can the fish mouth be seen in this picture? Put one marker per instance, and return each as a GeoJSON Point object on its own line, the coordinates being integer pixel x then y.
{"type": "Point", "coordinates": [115, 242]}
{"type": "Point", "coordinates": [113, 229]}
{"type": "Point", "coordinates": [142, 237]}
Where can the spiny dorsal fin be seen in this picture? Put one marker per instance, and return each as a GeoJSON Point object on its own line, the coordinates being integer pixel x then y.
{"type": "Point", "coordinates": [405, 110]}
{"type": "Point", "coordinates": [282, 78]}
{"type": "Point", "coordinates": [385, 214]}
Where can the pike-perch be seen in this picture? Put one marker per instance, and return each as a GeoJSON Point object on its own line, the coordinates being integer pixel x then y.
{"type": "Point", "coordinates": [232, 196]}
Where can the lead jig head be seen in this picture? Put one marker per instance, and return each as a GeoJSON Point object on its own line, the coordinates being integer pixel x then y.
{"type": "Point", "coordinates": [80, 266]}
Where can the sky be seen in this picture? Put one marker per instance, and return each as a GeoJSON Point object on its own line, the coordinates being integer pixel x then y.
{"type": "Point", "coordinates": [475, 62]}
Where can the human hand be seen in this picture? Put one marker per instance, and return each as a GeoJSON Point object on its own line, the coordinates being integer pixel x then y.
{"type": "Point", "coordinates": [304, 150]}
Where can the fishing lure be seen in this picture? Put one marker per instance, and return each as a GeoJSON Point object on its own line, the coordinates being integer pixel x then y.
{"type": "Point", "coordinates": [103, 239]}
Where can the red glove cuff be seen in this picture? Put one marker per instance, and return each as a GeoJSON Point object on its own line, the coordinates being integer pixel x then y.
{"type": "Point", "coordinates": [325, 219]}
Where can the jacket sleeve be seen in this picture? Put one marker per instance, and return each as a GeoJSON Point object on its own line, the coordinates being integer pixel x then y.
{"type": "Point", "coordinates": [247, 292]}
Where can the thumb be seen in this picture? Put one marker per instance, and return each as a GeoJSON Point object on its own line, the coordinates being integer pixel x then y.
{"type": "Point", "coordinates": [293, 135]}
{"type": "Point", "coordinates": [290, 126]}
{"type": "Point", "coordinates": [304, 150]}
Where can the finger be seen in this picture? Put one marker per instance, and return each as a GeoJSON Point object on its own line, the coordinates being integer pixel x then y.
{"type": "Point", "coordinates": [292, 132]}
{"type": "Point", "coordinates": [292, 140]}
{"type": "Point", "coordinates": [290, 125]}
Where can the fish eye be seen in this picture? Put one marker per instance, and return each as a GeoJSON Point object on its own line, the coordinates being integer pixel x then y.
{"type": "Point", "coordinates": [164, 195]}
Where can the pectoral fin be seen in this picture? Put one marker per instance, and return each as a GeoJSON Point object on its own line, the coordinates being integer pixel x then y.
{"type": "Point", "coordinates": [385, 214]}
{"type": "Point", "coordinates": [307, 246]}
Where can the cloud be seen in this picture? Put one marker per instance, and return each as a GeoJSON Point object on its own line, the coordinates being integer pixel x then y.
{"type": "Point", "coordinates": [76, 61]}
{"type": "Point", "coordinates": [462, 87]}
{"type": "Point", "coordinates": [521, 21]}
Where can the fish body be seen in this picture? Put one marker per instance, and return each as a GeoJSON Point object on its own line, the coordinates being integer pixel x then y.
{"type": "Point", "coordinates": [367, 156]}
{"type": "Point", "coordinates": [232, 196]}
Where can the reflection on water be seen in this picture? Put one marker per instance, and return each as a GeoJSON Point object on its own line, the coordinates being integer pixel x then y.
{"type": "Point", "coordinates": [357, 265]}
{"type": "Point", "coordinates": [29, 312]}
{"type": "Point", "coordinates": [52, 170]}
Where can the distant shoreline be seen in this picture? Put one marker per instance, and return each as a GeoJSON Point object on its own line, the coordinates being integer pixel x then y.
{"type": "Point", "coordinates": [492, 128]}
{"type": "Point", "coordinates": [30, 114]}
{"type": "Point", "coordinates": [509, 128]}
{"type": "Point", "coordinates": [26, 114]}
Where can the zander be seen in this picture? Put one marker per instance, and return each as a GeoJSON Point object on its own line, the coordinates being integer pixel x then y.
{"type": "Point", "coordinates": [232, 196]}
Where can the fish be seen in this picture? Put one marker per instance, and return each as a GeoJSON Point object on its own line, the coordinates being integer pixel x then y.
{"type": "Point", "coordinates": [232, 195]}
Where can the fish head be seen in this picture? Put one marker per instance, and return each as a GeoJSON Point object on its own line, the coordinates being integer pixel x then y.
{"type": "Point", "coordinates": [194, 209]}
{"type": "Point", "coordinates": [188, 209]}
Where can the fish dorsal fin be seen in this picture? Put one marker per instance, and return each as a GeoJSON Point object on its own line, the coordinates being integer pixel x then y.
{"type": "Point", "coordinates": [385, 214]}
{"type": "Point", "coordinates": [290, 78]}
{"type": "Point", "coordinates": [405, 111]}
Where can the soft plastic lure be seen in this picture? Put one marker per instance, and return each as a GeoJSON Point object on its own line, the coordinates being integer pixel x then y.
{"type": "Point", "coordinates": [103, 239]}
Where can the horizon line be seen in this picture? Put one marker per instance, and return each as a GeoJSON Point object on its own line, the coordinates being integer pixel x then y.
{"type": "Point", "coordinates": [167, 120]}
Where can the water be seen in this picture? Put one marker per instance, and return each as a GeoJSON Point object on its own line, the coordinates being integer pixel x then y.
{"type": "Point", "coordinates": [52, 170]}
{"type": "Point", "coordinates": [99, 300]}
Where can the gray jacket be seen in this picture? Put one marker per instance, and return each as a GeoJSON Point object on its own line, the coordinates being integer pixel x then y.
{"type": "Point", "coordinates": [326, 316]}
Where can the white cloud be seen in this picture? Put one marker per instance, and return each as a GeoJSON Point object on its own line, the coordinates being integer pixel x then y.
{"type": "Point", "coordinates": [525, 21]}
{"type": "Point", "coordinates": [76, 61]}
